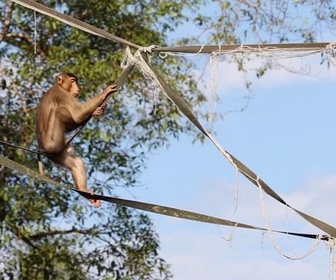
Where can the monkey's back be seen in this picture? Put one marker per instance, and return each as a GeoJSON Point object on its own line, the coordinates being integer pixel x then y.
{"type": "Point", "coordinates": [60, 102]}
{"type": "Point", "coordinates": [42, 114]}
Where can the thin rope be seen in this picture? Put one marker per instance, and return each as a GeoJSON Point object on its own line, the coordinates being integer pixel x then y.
{"type": "Point", "coordinates": [35, 33]}
{"type": "Point", "coordinates": [213, 86]}
{"type": "Point", "coordinates": [236, 191]}
{"type": "Point", "coordinates": [165, 54]}
{"type": "Point", "coordinates": [275, 243]}
{"type": "Point", "coordinates": [332, 53]}
{"type": "Point", "coordinates": [331, 246]}
{"type": "Point", "coordinates": [19, 147]}
{"type": "Point", "coordinates": [235, 48]}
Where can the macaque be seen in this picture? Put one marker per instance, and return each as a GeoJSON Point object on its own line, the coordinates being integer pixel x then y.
{"type": "Point", "coordinates": [58, 113]}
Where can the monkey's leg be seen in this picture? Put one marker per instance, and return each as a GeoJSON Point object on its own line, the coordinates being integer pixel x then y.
{"type": "Point", "coordinates": [53, 138]}
{"type": "Point", "coordinates": [78, 171]}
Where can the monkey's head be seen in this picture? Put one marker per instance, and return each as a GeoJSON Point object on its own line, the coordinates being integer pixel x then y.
{"type": "Point", "coordinates": [68, 82]}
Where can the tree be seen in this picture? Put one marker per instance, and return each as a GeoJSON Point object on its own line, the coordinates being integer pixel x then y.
{"type": "Point", "coordinates": [270, 21]}
{"type": "Point", "coordinates": [275, 21]}
{"type": "Point", "coordinates": [48, 233]}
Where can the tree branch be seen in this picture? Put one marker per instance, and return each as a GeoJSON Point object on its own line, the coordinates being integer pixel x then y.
{"type": "Point", "coordinates": [17, 231]}
{"type": "Point", "coordinates": [6, 20]}
{"type": "Point", "coordinates": [63, 232]}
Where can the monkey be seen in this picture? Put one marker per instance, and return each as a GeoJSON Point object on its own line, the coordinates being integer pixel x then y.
{"type": "Point", "coordinates": [58, 113]}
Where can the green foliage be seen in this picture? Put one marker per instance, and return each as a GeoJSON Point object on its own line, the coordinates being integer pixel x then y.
{"type": "Point", "coordinates": [273, 21]}
{"type": "Point", "coordinates": [49, 233]}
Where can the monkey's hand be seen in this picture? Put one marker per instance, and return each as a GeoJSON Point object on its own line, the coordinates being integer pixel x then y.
{"type": "Point", "coordinates": [100, 110]}
{"type": "Point", "coordinates": [110, 89]}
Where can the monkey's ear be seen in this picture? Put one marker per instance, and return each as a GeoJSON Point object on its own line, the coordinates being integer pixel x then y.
{"type": "Point", "coordinates": [59, 79]}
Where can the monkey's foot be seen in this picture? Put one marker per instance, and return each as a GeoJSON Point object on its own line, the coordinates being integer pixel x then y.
{"type": "Point", "coordinates": [96, 203]}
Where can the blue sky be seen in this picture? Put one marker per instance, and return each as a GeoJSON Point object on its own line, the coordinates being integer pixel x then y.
{"type": "Point", "coordinates": [287, 136]}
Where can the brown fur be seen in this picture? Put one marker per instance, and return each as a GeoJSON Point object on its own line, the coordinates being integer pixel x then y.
{"type": "Point", "coordinates": [58, 113]}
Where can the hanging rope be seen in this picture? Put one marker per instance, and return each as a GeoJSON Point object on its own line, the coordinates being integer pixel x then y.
{"type": "Point", "coordinates": [19, 147]}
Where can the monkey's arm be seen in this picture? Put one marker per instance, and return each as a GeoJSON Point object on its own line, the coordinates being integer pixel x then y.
{"type": "Point", "coordinates": [83, 111]}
